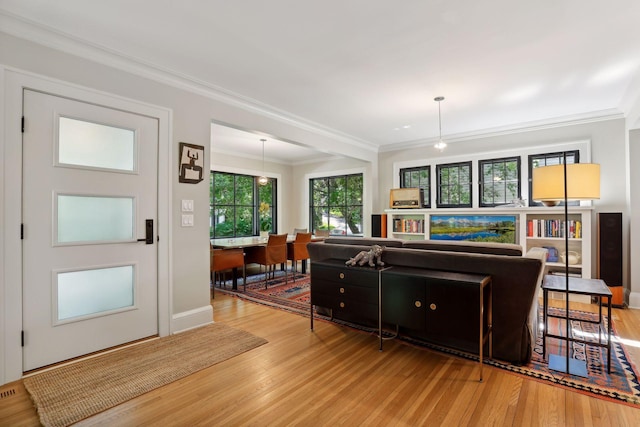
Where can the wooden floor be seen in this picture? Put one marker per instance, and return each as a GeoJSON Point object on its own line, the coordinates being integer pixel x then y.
{"type": "Point", "coordinates": [336, 376]}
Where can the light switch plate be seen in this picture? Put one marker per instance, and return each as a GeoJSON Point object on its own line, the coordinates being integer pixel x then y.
{"type": "Point", "coordinates": [187, 206]}
{"type": "Point", "coordinates": [187, 220]}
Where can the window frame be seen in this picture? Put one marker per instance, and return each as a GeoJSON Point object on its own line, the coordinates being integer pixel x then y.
{"type": "Point", "coordinates": [426, 192]}
{"type": "Point", "coordinates": [347, 207]}
{"type": "Point", "coordinates": [560, 156]}
{"type": "Point", "coordinates": [481, 182]}
{"type": "Point", "coordinates": [439, 185]}
{"type": "Point", "coordinates": [255, 197]}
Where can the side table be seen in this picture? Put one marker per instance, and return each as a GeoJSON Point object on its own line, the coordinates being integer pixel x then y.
{"type": "Point", "coordinates": [592, 287]}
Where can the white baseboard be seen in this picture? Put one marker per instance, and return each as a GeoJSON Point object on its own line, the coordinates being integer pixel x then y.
{"type": "Point", "coordinates": [634, 299]}
{"type": "Point", "coordinates": [186, 320]}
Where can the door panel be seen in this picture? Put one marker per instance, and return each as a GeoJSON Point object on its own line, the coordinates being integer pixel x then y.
{"type": "Point", "coordinates": [89, 184]}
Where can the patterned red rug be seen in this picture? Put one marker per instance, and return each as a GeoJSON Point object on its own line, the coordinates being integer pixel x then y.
{"type": "Point", "coordinates": [291, 296]}
{"type": "Point", "coordinates": [621, 385]}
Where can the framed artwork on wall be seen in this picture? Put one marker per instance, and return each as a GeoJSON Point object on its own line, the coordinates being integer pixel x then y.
{"type": "Point", "coordinates": [482, 228]}
{"type": "Point", "coordinates": [191, 163]}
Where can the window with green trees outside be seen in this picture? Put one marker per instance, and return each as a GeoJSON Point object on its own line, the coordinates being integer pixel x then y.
{"type": "Point", "coordinates": [336, 204]}
{"type": "Point", "coordinates": [454, 185]}
{"type": "Point", "coordinates": [499, 181]}
{"type": "Point", "coordinates": [240, 207]}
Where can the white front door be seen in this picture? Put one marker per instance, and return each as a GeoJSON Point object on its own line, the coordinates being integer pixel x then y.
{"type": "Point", "coordinates": [90, 199]}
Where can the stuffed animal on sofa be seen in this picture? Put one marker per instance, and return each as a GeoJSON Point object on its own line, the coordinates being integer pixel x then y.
{"type": "Point", "coordinates": [372, 256]}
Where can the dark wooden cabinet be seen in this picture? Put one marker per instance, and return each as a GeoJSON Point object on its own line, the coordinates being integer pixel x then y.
{"type": "Point", "coordinates": [351, 293]}
{"type": "Point", "coordinates": [404, 301]}
{"type": "Point", "coordinates": [440, 307]}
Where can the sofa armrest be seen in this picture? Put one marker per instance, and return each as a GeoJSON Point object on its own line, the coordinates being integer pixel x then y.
{"type": "Point", "coordinates": [534, 322]}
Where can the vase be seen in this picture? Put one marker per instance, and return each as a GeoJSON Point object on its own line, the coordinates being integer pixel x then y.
{"type": "Point", "coordinates": [264, 234]}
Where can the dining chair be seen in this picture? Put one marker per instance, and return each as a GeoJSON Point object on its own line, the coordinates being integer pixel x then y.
{"type": "Point", "coordinates": [275, 252]}
{"type": "Point", "coordinates": [227, 259]}
{"type": "Point", "coordinates": [299, 230]}
{"type": "Point", "coordinates": [321, 233]}
{"type": "Point", "coordinates": [297, 251]}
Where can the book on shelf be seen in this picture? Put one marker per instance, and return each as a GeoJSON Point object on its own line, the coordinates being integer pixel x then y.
{"type": "Point", "coordinates": [554, 228]}
{"type": "Point", "coordinates": [406, 225]}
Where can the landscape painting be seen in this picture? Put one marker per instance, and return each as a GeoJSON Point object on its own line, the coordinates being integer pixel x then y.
{"type": "Point", "coordinates": [479, 228]}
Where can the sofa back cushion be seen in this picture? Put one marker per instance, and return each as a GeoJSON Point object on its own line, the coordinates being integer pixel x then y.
{"type": "Point", "coordinates": [465, 246]}
{"type": "Point", "coordinates": [365, 241]}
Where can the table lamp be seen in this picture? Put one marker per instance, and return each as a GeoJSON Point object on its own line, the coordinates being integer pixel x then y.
{"type": "Point", "coordinates": [563, 183]}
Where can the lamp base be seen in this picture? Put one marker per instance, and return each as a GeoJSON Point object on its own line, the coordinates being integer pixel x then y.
{"type": "Point", "coordinates": [576, 367]}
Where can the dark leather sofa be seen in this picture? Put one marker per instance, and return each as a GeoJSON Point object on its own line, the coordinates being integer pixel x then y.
{"type": "Point", "coordinates": [515, 280]}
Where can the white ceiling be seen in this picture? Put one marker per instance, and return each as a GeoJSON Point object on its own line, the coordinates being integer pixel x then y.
{"type": "Point", "coordinates": [369, 69]}
{"type": "Point", "coordinates": [225, 139]}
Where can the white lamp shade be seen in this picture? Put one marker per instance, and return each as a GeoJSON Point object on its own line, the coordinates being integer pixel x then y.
{"type": "Point", "coordinates": [583, 182]}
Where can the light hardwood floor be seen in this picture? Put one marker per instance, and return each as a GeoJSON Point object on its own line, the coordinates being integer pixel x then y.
{"type": "Point", "coordinates": [336, 376]}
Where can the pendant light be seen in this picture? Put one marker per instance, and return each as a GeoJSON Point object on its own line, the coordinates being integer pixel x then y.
{"type": "Point", "coordinates": [263, 180]}
{"type": "Point", "coordinates": [440, 145]}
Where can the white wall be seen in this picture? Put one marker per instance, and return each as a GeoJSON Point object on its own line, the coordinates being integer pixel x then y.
{"type": "Point", "coordinates": [608, 148]}
{"type": "Point", "coordinates": [634, 238]}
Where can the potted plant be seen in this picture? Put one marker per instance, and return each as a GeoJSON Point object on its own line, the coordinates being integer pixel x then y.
{"type": "Point", "coordinates": [265, 219]}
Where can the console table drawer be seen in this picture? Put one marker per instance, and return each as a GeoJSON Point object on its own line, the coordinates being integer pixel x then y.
{"type": "Point", "coordinates": [361, 277]}
{"type": "Point", "coordinates": [347, 309]}
{"type": "Point", "coordinates": [343, 291]}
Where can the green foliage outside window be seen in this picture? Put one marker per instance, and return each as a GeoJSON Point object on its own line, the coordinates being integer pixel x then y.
{"type": "Point", "coordinates": [454, 185]}
{"type": "Point", "coordinates": [499, 181]}
{"type": "Point", "coordinates": [418, 177]}
{"type": "Point", "coordinates": [234, 205]}
{"type": "Point", "coordinates": [336, 204]}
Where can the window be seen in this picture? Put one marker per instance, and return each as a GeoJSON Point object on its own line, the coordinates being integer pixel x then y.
{"type": "Point", "coordinates": [418, 177]}
{"type": "Point", "coordinates": [499, 181]}
{"type": "Point", "coordinates": [235, 202]}
{"type": "Point", "coordinates": [549, 159]}
{"type": "Point", "coordinates": [336, 204]}
{"type": "Point", "coordinates": [454, 185]}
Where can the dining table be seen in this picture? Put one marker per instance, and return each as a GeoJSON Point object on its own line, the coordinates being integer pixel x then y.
{"type": "Point", "coordinates": [254, 241]}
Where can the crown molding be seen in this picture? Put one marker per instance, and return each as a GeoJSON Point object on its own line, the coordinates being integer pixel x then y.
{"type": "Point", "coordinates": [578, 119]}
{"type": "Point", "coordinates": [41, 34]}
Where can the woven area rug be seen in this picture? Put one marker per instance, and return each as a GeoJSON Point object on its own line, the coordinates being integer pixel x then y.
{"type": "Point", "coordinates": [70, 393]}
{"type": "Point", "coordinates": [622, 385]}
{"type": "Point", "coordinates": [290, 296]}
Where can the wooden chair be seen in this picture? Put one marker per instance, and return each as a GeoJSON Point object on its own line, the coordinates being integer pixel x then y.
{"type": "Point", "coordinates": [321, 233]}
{"type": "Point", "coordinates": [274, 253]}
{"type": "Point", "coordinates": [227, 259]}
{"type": "Point", "coordinates": [297, 251]}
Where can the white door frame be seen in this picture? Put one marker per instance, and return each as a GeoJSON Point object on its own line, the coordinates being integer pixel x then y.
{"type": "Point", "coordinates": [12, 83]}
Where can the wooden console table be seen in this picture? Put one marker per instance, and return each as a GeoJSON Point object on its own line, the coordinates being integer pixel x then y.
{"type": "Point", "coordinates": [592, 287]}
{"type": "Point", "coordinates": [424, 301]}
{"type": "Point", "coordinates": [430, 301]}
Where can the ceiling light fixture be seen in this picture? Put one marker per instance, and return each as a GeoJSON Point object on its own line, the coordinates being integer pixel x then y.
{"type": "Point", "coordinates": [440, 145]}
{"type": "Point", "coordinates": [263, 180]}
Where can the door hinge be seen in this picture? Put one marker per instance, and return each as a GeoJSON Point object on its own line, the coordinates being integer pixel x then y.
{"type": "Point", "coordinates": [21, 231]}
{"type": "Point", "coordinates": [22, 124]}
{"type": "Point", "coordinates": [22, 338]}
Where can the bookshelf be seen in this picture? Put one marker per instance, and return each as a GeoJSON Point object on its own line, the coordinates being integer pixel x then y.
{"type": "Point", "coordinates": [408, 227]}
{"type": "Point", "coordinates": [535, 227]}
